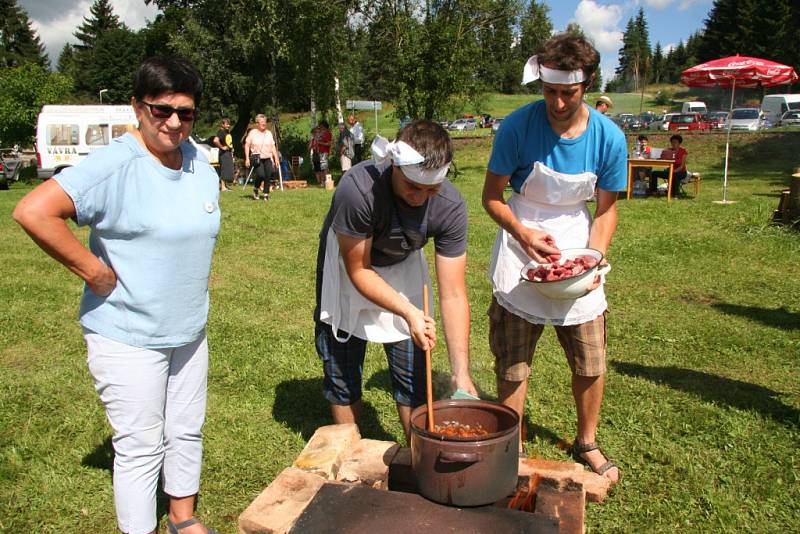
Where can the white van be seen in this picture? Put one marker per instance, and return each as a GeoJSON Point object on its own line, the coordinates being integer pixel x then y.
{"type": "Point", "coordinates": [774, 106]}
{"type": "Point", "coordinates": [694, 107]}
{"type": "Point", "coordinates": [65, 135]}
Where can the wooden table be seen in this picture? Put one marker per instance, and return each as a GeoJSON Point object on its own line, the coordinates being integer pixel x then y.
{"type": "Point", "coordinates": [658, 163]}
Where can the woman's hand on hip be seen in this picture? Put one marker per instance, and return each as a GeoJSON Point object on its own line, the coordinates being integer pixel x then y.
{"type": "Point", "coordinates": [103, 282]}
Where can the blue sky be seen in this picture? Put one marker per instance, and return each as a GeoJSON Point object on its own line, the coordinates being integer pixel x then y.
{"type": "Point", "coordinates": [669, 21]}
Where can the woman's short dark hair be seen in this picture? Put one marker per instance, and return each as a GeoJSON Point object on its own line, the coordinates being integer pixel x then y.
{"type": "Point", "coordinates": [430, 140]}
{"type": "Point", "coordinates": [164, 74]}
{"type": "Point", "coordinates": [678, 137]}
{"type": "Point", "coordinates": [567, 51]}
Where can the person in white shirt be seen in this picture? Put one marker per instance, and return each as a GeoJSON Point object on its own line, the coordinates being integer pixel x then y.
{"type": "Point", "coordinates": [358, 137]}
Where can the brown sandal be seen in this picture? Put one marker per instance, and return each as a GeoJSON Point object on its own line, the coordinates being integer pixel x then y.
{"type": "Point", "coordinates": [579, 448]}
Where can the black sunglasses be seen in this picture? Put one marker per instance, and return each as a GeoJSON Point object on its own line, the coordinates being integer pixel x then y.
{"type": "Point", "coordinates": [163, 111]}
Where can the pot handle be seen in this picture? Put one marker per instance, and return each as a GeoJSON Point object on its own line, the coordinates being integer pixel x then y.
{"type": "Point", "coordinates": [459, 457]}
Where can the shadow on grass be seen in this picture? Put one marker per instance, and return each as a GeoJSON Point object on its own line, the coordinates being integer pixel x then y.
{"type": "Point", "coordinates": [716, 389]}
{"type": "Point", "coordinates": [300, 404]}
{"type": "Point", "coordinates": [774, 317]}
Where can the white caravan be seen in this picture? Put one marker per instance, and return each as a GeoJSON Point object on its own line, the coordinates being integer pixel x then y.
{"type": "Point", "coordinates": [774, 106]}
{"type": "Point", "coordinates": [65, 135]}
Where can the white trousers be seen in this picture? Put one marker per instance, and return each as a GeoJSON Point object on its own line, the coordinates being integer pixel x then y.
{"type": "Point", "coordinates": [155, 400]}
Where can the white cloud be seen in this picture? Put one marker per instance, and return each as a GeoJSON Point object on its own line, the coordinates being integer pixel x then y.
{"type": "Point", "coordinates": [55, 27]}
{"type": "Point", "coordinates": [600, 24]}
{"type": "Point", "coordinates": [659, 4]}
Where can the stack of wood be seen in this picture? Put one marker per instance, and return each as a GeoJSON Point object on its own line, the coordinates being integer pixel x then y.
{"type": "Point", "coordinates": [788, 211]}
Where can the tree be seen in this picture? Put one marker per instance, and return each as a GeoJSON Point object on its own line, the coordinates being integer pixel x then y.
{"type": "Point", "coordinates": [19, 42]}
{"type": "Point", "coordinates": [102, 19]}
{"type": "Point", "coordinates": [657, 65]}
{"type": "Point", "coordinates": [116, 56]}
{"type": "Point", "coordinates": [495, 62]}
{"type": "Point", "coordinates": [635, 54]}
{"type": "Point", "coordinates": [25, 90]}
{"type": "Point", "coordinates": [535, 29]}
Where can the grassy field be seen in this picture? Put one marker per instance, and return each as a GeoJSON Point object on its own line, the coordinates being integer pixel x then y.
{"type": "Point", "coordinates": [702, 409]}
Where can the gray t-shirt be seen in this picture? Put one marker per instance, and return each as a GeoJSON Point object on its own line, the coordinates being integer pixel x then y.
{"type": "Point", "coordinates": [365, 206]}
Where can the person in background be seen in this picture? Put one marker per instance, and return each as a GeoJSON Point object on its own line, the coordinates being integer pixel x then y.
{"type": "Point", "coordinates": [555, 153]}
{"type": "Point", "coordinates": [643, 151]}
{"type": "Point", "coordinates": [358, 137]}
{"type": "Point", "coordinates": [261, 154]}
{"type": "Point", "coordinates": [679, 154]}
{"type": "Point", "coordinates": [345, 147]}
{"type": "Point", "coordinates": [322, 141]}
{"type": "Point", "coordinates": [224, 142]}
{"type": "Point", "coordinates": [371, 270]}
{"type": "Point", "coordinates": [603, 104]}
{"type": "Point", "coordinates": [151, 202]}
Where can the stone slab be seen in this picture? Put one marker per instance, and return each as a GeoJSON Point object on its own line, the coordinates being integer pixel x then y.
{"type": "Point", "coordinates": [327, 449]}
{"type": "Point", "coordinates": [368, 463]}
{"type": "Point", "coordinates": [275, 510]}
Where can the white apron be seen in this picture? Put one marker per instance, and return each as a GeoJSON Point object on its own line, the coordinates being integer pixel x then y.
{"type": "Point", "coordinates": [555, 203]}
{"type": "Point", "coordinates": [348, 311]}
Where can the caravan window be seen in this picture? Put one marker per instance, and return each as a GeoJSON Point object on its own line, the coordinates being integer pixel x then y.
{"type": "Point", "coordinates": [63, 134]}
{"type": "Point", "coordinates": [118, 130]}
{"type": "Point", "coordinates": [97, 134]}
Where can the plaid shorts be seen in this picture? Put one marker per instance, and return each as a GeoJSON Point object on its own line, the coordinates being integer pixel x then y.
{"type": "Point", "coordinates": [513, 340]}
{"type": "Point", "coordinates": [343, 365]}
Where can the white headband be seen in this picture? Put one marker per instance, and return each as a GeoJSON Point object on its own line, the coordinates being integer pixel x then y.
{"type": "Point", "coordinates": [409, 160]}
{"type": "Point", "coordinates": [534, 71]}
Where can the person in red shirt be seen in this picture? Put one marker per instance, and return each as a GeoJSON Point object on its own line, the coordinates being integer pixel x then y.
{"type": "Point", "coordinates": [679, 154]}
{"type": "Point", "coordinates": [321, 146]}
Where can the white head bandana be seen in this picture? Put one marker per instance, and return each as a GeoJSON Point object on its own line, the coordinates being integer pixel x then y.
{"type": "Point", "coordinates": [409, 160]}
{"type": "Point", "coordinates": [534, 71]}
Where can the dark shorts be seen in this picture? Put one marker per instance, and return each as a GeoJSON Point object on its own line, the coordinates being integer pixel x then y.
{"type": "Point", "coordinates": [226, 166]}
{"type": "Point", "coordinates": [343, 365]}
{"type": "Point", "coordinates": [513, 340]}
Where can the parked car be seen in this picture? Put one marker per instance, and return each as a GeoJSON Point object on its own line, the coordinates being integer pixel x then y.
{"type": "Point", "coordinates": [646, 118]}
{"type": "Point", "coordinates": [750, 119]}
{"type": "Point", "coordinates": [662, 123]}
{"type": "Point", "coordinates": [462, 125]}
{"type": "Point", "coordinates": [10, 167]}
{"type": "Point", "coordinates": [790, 118]}
{"type": "Point", "coordinates": [627, 121]}
{"type": "Point", "coordinates": [717, 120]}
{"type": "Point", "coordinates": [688, 122]}
{"type": "Point", "coordinates": [496, 124]}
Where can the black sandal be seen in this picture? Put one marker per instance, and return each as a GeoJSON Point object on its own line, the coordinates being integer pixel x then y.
{"type": "Point", "coordinates": [577, 449]}
{"type": "Point", "coordinates": [175, 529]}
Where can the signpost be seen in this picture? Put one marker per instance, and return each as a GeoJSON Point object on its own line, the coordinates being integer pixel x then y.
{"type": "Point", "coordinates": [366, 104]}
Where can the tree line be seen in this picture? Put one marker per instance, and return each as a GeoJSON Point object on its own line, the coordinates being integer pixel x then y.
{"type": "Point", "coordinates": [430, 58]}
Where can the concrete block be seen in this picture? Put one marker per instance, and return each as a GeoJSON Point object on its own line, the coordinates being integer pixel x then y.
{"type": "Point", "coordinates": [275, 510]}
{"type": "Point", "coordinates": [596, 486]}
{"type": "Point", "coordinates": [326, 450]}
{"type": "Point", "coordinates": [368, 463]}
{"type": "Point", "coordinates": [565, 500]}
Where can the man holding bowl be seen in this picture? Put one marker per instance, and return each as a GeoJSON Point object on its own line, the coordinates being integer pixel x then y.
{"type": "Point", "coordinates": [557, 154]}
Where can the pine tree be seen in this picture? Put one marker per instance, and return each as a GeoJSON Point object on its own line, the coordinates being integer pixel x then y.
{"type": "Point", "coordinates": [19, 42]}
{"type": "Point", "coordinates": [102, 20]}
{"type": "Point", "coordinates": [657, 65]}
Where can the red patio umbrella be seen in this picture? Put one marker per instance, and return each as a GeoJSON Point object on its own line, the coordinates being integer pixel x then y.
{"type": "Point", "coordinates": [736, 70]}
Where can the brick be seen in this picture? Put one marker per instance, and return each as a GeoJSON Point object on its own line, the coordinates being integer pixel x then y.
{"type": "Point", "coordinates": [327, 449]}
{"type": "Point", "coordinates": [275, 510]}
{"type": "Point", "coordinates": [368, 463]}
{"type": "Point", "coordinates": [401, 473]}
{"type": "Point", "coordinates": [565, 500]}
{"type": "Point", "coordinates": [596, 486]}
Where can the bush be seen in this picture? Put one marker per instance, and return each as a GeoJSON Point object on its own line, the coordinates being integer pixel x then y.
{"type": "Point", "coordinates": [663, 98]}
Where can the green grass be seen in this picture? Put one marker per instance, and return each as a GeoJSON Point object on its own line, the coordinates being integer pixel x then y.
{"type": "Point", "coordinates": [703, 397]}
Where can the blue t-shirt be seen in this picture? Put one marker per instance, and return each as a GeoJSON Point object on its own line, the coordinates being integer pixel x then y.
{"type": "Point", "coordinates": [156, 227]}
{"type": "Point", "coordinates": [525, 137]}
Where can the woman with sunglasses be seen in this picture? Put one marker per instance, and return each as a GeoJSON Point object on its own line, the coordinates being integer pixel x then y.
{"type": "Point", "coordinates": [151, 203]}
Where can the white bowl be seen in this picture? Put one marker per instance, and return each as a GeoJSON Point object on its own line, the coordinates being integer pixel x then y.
{"type": "Point", "coordinates": [569, 288]}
